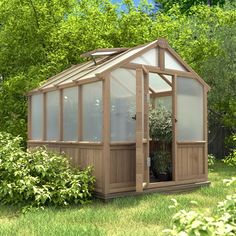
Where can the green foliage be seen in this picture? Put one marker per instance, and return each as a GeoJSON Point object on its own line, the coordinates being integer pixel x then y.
{"type": "Point", "coordinates": [231, 158]}
{"type": "Point", "coordinates": [161, 162]}
{"type": "Point", "coordinates": [41, 38]}
{"type": "Point", "coordinates": [211, 160]}
{"type": "Point", "coordinates": [185, 5]}
{"type": "Point", "coordinates": [160, 124]}
{"type": "Point", "coordinates": [197, 223]}
{"type": "Point", "coordinates": [40, 177]}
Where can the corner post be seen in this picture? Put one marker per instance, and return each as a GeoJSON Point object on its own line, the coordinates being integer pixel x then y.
{"type": "Point", "coordinates": [139, 130]}
{"type": "Point", "coordinates": [106, 135]}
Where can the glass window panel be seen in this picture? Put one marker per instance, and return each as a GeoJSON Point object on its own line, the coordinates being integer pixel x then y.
{"type": "Point", "coordinates": [37, 117]}
{"type": "Point", "coordinates": [148, 58]}
{"type": "Point", "coordinates": [172, 63]}
{"type": "Point", "coordinates": [123, 105]}
{"type": "Point", "coordinates": [189, 110]}
{"type": "Point", "coordinates": [158, 84]}
{"type": "Point", "coordinates": [70, 114]}
{"type": "Point", "coordinates": [92, 112]}
{"type": "Point", "coordinates": [53, 113]}
{"type": "Point", "coordinates": [164, 101]}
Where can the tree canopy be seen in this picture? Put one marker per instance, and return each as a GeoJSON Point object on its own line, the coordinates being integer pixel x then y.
{"type": "Point", "coordinates": [39, 38]}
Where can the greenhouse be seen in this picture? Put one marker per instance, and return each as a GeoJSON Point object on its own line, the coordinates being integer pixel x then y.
{"type": "Point", "coordinates": [137, 115]}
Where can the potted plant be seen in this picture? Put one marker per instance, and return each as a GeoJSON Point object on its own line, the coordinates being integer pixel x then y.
{"type": "Point", "coordinates": [161, 165]}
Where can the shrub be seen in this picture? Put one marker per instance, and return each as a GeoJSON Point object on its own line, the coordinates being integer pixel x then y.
{"type": "Point", "coordinates": [211, 160]}
{"type": "Point", "coordinates": [160, 124]}
{"type": "Point", "coordinates": [231, 158]}
{"type": "Point", "coordinates": [40, 177]}
{"type": "Point", "coordinates": [196, 223]}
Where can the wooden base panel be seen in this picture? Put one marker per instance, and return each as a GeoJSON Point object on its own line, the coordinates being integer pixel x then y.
{"type": "Point", "coordinates": [164, 190]}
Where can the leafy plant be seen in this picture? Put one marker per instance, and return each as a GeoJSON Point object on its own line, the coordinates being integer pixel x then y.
{"type": "Point", "coordinates": [197, 223]}
{"type": "Point", "coordinates": [231, 158]}
{"type": "Point", "coordinates": [161, 162]}
{"type": "Point", "coordinates": [40, 177]}
{"type": "Point", "coordinates": [211, 160]}
{"type": "Point", "coordinates": [160, 124]}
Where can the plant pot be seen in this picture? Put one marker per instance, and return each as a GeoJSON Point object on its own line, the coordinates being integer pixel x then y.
{"type": "Point", "coordinates": [163, 177]}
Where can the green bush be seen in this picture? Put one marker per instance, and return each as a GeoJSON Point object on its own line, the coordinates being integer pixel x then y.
{"type": "Point", "coordinates": [211, 160]}
{"type": "Point", "coordinates": [231, 158]}
{"type": "Point", "coordinates": [160, 124]}
{"type": "Point", "coordinates": [196, 223]}
{"type": "Point", "coordinates": [40, 177]}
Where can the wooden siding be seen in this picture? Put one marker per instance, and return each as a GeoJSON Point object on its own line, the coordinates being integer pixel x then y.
{"type": "Point", "coordinates": [122, 167]}
{"type": "Point", "coordinates": [190, 161]}
{"type": "Point", "coordinates": [80, 155]}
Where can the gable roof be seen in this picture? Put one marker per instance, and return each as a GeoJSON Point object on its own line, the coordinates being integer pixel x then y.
{"type": "Point", "coordinates": [106, 63]}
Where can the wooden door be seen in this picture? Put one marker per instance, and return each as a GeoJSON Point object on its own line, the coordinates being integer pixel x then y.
{"type": "Point", "coordinates": [142, 130]}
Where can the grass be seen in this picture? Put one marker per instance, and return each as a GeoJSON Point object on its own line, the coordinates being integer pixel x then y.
{"type": "Point", "coordinates": [143, 215]}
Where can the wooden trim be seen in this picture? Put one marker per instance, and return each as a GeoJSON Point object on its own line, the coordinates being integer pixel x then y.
{"type": "Point", "coordinates": [80, 113]}
{"type": "Point", "coordinates": [146, 125]}
{"type": "Point", "coordinates": [176, 183]}
{"type": "Point", "coordinates": [61, 107]}
{"type": "Point", "coordinates": [29, 118]}
{"type": "Point", "coordinates": [205, 124]}
{"type": "Point", "coordinates": [161, 58]}
{"type": "Point", "coordinates": [191, 142]}
{"type": "Point", "coordinates": [174, 128]}
{"type": "Point", "coordinates": [139, 131]}
{"type": "Point", "coordinates": [44, 116]}
{"type": "Point", "coordinates": [161, 94]}
{"type": "Point", "coordinates": [165, 79]}
{"type": "Point", "coordinates": [122, 143]}
{"type": "Point", "coordinates": [65, 142]}
{"type": "Point", "coordinates": [106, 135]}
{"type": "Point", "coordinates": [154, 69]}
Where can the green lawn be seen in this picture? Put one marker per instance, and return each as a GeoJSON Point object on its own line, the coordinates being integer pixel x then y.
{"type": "Point", "coordinates": [143, 215]}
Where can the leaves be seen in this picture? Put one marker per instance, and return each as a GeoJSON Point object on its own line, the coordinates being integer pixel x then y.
{"type": "Point", "coordinates": [40, 177]}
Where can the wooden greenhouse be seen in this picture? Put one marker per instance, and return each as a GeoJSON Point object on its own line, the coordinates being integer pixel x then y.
{"type": "Point", "coordinates": [115, 112]}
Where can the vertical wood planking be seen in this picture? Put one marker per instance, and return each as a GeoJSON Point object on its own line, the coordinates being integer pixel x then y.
{"type": "Point", "coordinates": [174, 130]}
{"type": "Point", "coordinates": [139, 131]}
{"type": "Point", "coordinates": [106, 134]}
{"type": "Point", "coordinates": [80, 111]}
{"type": "Point", "coordinates": [146, 124]}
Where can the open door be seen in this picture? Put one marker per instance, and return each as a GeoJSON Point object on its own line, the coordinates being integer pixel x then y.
{"type": "Point", "coordinates": [162, 127]}
{"type": "Point", "coordinates": [142, 130]}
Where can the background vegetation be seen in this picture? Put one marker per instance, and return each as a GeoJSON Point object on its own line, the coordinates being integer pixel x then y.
{"type": "Point", "coordinates": [39, 38]}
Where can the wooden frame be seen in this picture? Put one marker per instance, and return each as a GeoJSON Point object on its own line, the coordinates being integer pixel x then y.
{"type": "Point", "coordinates": [121, 167]}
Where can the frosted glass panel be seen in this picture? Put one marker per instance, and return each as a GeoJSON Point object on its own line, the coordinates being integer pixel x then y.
{"type": "Point", "coordinates": [70, 114]}
{"type": "Point", "coordinates": [164, 101]}
{"type": "Point", "coordinates": [158, 84]}
{"type": "Point", "coordinates": [53, 113]}
{"type": "Point", "coordinates": [189, 110]}
{"type": "Point", "coordinates": [148, 58]}
{"type": "Point", "coordinates": [92, 112]}
{"type": "Point", "coordinates": [123, 106]}
{"type": "Point", "coordinates": [172, 63]}
{"type": "Point", "coordinates": [37, 117]}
